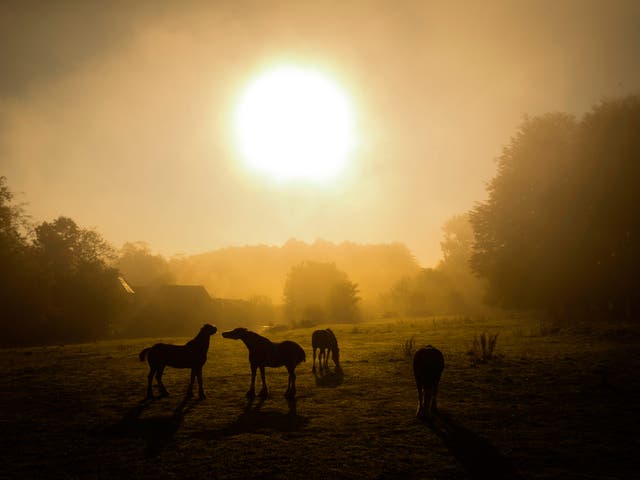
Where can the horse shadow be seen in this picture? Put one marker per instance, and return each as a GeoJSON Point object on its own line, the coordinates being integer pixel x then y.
{"type": "Point", "coordinates": [329, 379]}
{"type": "Point", "coordinates": [254, 419]}
{"type": "Point", "coordinates": [156, 431]}
{"type": "Point", "coordinates": [481, 459]}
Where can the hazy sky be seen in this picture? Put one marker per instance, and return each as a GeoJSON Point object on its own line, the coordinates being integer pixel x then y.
{"type": "Point", "coordinates": [118, 114]}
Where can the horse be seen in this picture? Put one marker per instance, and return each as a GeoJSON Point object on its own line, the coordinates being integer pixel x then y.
{"type": "Point", "coordinates": [325, 341]}
{"type": "Point", "coordinates": [193, 355]}
{"type": "Point", "coordinates": [428, 364]}
{"type": "Point", "coordinates": [265, 353]}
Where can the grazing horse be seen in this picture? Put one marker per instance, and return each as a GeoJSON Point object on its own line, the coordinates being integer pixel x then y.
{"type": "Point", "coordinates": [325, 341]}
{"type": "Point", "coordinates": [193, 355]}
{"type": "Point", "coordinates": [428, 364]}
{"type": "Point", "coordinates": [265, 353]}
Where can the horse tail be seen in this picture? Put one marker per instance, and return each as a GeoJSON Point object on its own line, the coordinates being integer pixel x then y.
{"type": "Point", "coordinates": [143, 353]}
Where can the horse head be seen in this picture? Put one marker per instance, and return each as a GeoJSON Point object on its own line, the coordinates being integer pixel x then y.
{"type": "Point", "coordinates": [235, 334]}
{"type": "Point", "coordinates": [336, 357]}
{"type": "Point", "coordinates": [208, 329]}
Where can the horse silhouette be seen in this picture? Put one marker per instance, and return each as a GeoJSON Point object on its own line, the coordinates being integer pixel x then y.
{"type": "Point", "coordinates": [325, 341]}
{"type": "Point", "coordinates": [265, 353]}
{"type": "Point", "coordinates": [428, 364]}
{"type": "Point", "coordinates": [193, 355]}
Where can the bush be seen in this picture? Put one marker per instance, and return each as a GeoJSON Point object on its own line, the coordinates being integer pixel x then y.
{"type": "Point", "coordinates": [409, 347]}
{"type": "Point", "coordinates": [482, 348]}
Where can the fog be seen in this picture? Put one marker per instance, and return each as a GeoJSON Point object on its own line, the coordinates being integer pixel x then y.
{"type": "Point", "coordinates": [119, 116]}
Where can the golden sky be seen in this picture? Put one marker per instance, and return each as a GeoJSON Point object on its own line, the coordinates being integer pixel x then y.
{"type": "Point", "coordinates": [118, 114]}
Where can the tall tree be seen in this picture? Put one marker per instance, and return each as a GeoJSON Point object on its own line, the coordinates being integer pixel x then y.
{"type": "Point", "coordinates": [140, 267]}
{"type": "Point", "coordinates": [315, 292]}
{"type": "Point", "coordinates": [19, 296]}
{"type": "Point", "coordinates": [457, 249]}
{"type": "Point", "coordinates": [559, 228]}
{"type": "Point", "coordinates": [82, 287]}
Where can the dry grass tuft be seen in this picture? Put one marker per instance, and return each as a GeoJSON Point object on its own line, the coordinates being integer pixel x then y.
{"type": "Point", "coordinates": [483, 346]}
{"type": "Point", "coordinates": [409, 347]}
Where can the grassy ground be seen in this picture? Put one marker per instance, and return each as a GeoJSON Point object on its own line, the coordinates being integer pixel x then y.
{"type": "Point", "coordinates": [553, 404]}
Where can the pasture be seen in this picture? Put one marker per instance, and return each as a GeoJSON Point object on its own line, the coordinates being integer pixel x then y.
{"type": "Point", "coordinates": [552, 404]}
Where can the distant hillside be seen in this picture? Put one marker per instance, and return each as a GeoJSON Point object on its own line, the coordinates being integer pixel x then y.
{"type": "Point", "coordinates": [244, 272]}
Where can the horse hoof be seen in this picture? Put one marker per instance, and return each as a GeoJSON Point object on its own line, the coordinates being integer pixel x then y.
{"type": "Point", "coordinates": [289, 395]}
{"type": "Point", "coordinates": [250, 395]}
{"type": "Point", "coordinates": [202, 397]}
{"type": "Point", "coordinates": [263, 394]}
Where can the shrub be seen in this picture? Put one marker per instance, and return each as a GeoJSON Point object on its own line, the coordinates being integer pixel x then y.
{"type": "Point", "coordinates": [483, 346]}
{"type": "Point", "coordinates": [409, 347]}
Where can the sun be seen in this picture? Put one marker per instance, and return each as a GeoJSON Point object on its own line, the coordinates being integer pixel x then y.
{"type": "Point", "coordinates": [295, 123]}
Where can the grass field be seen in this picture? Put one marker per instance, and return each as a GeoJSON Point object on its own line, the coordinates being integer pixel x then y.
{"type": "Point", "coordinates": [553, 404]}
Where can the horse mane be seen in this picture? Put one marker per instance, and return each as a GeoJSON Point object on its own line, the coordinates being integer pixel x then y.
{"type": "Point", "coordinates": [197, 338]}
{"type": "Point", "coordinates": [252, 338]}
{"type": "Point", "coordinates": [333, 336]}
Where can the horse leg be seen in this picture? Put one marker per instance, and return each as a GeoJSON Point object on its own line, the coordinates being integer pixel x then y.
{"type": "Point", "coordinates": [291, 389]}
{"type": "Point", "coordinates": [190, 387]}
{"type": "Point", "coordinates": [263, 393]}
{"type": "Point", "coordinates": [326, 360]}
{"type": "Point", "coordinates": [314, 360]}
{"type": "Point", "coordinates": [201, 394]}
{"type": "Point", "coordinates": [434, 401]}
{"type": "Point", "coordinates": [252, 389]}
{"type": "Point", "coordinates": [420, 412]}
{"type": "Point", "coordinates": [152, 371]}
{"type": "Point", "coordinates": [428, 401]}
{"type": "Point", "coordinates": [159, 372]}
{"type": "Point", "coordinates": [321, 359]}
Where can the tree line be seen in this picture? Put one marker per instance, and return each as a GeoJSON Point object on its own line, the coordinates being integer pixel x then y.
{"type": "Point", "coordinates": [64, 283]}
{"type": "Point", "coordinates": [56, 282]}
{"type": "Point", "coordinates": [560, 229]}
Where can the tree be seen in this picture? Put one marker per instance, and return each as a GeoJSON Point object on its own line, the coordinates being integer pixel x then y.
{"type": "Point", "coordinates": [12, 223]}
{"type": "Point", "coordinates": [559, 229]}
{"type": "Point", "coordinates": [430, 292]}
{"type": "Point", "coordinates": [519, 226]}
{"type": "Point", "coordinates": [457, 244]}
{"type": "Point", "coordinates": [82, 288]}
{"type": "Point", "coordinates": [609, 154]}
{"type": "Point", "coordinates": [457, 249]}
{"type": "Point", "coordinates": [141, 268]}
{"type": "Point", "coordinates": [19, 296]}
{"type": "Point", "coordinates": [316, 292]}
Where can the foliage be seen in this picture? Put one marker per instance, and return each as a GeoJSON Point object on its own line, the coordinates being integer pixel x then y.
{"type": "Point", "coordinates": [316, 292]}
{"type": "Point", "coordinates": [141, 268]}
{"type": "Point", "coordinates": [242, 272]}
{"type": "Point", "coordinates": [56, 285]}
{"type": "Point", "coordinates": [82, 289]}
{"type": "Point", "coordinates": [457, 249]}
{"type": "Point", "coordinates": [20, 298]}
{"type": "Point", "coordinates": [560, 227]}
{"type": "Point", "coordinates": [483, 346]}
{"type": "Point", "coordinates": [429, 292]}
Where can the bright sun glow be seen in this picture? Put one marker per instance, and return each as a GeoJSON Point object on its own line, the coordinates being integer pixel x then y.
{"type": "Point", "coordinates": [295, 123]}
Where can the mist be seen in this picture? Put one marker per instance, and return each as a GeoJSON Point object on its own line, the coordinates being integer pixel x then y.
{"type": "Point", "coordinates": [473, 239]}
{"type": "Point", "coordinates": [118, 116]}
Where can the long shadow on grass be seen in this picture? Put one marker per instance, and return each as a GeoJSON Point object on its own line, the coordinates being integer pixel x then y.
{"type": "Point", "coordinates": [481, 459]}
{"type": "Point", "coordinates": [254, 419]}
{"type": "Point", "coordinates": [328, 378]}
{"type": "Point", "coordinates": [157, 431]}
